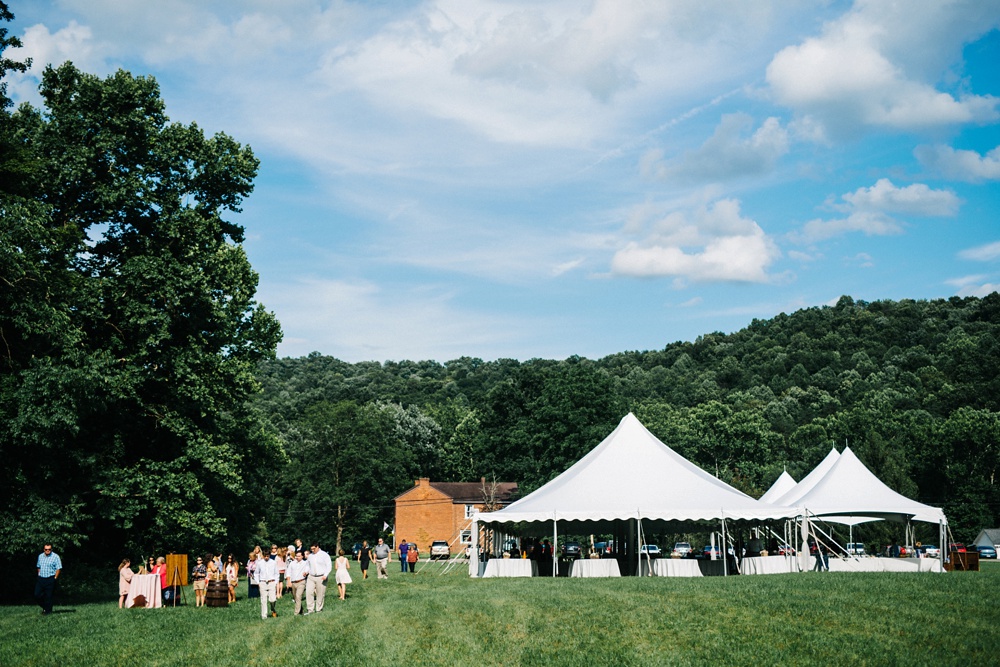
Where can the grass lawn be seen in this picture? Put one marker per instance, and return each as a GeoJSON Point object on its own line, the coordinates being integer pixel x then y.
{"type": "Point", "coordinates": [428, 619]}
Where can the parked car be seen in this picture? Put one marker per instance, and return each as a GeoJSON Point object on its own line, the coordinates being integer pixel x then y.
{"type": "Point", "coordinates": [440, 550]}
{"type": "Point", "coordinates": [930, 551]}
{"type": "Point", "coordinates": [956, 547]}
{"type": "Point", "coordinates": [571, 550]}
{"type": "Point", "coordinates": [683, 548]}
{"type": "Point", "coordinates": [855, 549]}
{"type": "Point", "coordinates": [356, 550]}
{"type": "Point", "coordinates": [986, 551]}
{"type": "Point", "coordinates": [650, 549]}
{"type": "Point", "coordinates": [709, 551]}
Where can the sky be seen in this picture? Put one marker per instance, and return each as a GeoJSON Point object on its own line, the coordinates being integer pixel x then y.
{"type": "Point", "coordinates": [450, 178]}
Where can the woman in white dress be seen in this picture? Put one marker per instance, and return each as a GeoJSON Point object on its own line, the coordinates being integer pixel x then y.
{"type": "Point", "coordinates": [343, 577]}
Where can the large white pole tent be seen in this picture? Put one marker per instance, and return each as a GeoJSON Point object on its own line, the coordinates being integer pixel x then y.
{"type": "Point", "coordinates": [632, 476]}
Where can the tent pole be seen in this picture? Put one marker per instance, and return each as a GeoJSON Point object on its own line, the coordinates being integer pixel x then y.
{"type": "Point", "coordinates": [474, 547]}
{"type": "Point", "coordinates": [725, 548]}
{"type": "Point", "coordinates": [555, 541]}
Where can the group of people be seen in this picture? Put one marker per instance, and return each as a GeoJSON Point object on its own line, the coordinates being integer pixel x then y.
{"type": "Point", "coordinates": [269, 574]}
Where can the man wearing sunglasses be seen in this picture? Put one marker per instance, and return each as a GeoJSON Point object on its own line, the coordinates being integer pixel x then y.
{"type": "Point", "coordinates": [49, 566]}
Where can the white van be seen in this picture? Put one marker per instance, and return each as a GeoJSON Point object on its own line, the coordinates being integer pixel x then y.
{"type": "Point", "coordinates": [856, 548]}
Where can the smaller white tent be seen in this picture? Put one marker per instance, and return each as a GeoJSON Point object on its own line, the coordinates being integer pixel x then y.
{"type": "Point", "coordinates": [781, 486]}
{"type": "Point", "coordinates": [850, 488]}
{"type": "Point", "coordinates": [791, 496]}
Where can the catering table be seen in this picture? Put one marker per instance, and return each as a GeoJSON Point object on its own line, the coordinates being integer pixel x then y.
{"type": "Point", "coordinates": [595, 567]}
{"type": "Point", "coordinates": [885, 565]}
{"type": "Point", "coordinates": [511, 567]}
{"type": "Point", "coordinates": [769, 565]}
{"type": "Point", "coordinates": [148, 586]}
{"type": "Point", "coordinates": [672, 567]}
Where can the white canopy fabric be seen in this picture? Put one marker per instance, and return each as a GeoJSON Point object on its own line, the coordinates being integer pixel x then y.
{"type": "Point", "coordinates": [809, 481]}
{"type": "Point", "coordinates": [781, 486]}
{"type": "Point", "coordinates": [849, 488]}
{"type": "Point", "coordinates": [631, 474]}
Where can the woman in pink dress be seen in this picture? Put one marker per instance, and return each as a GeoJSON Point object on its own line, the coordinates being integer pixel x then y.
{"type": "Point", "coordinates": [124, 580]}
{"type": "Point", "coordinates": [343, 577]}
{"type": "Point", "coordinates": [232, 576]}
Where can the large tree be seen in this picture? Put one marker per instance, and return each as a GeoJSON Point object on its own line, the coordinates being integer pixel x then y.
{"type": "Point", "coordinates": [128, 327]}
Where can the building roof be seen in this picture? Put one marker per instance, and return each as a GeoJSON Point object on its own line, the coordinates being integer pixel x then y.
{"type": "Point", "coordinates": [992, 536]}
{"type": "Point", "coordinates": [475, 492]}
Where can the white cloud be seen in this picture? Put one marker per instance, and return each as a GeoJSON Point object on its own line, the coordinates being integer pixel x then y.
{"type": "Point", "coordinates": [728, 153]}
{"type": "Point", "coordinates": [972, 286]}
{"type": "Point", "coordinates": [962, 165]}
{"type": "Point", "coordinates": [983, 253]}
{"type": "Point", "coordinates": [357, 320]}
{"type": "Point", "coordinates": [868, 211]}
{"type": "Point", "coordinates": [876, 66]}
{"type": "Point", "coordinates": [712, 244]}
{"type": "Point", "coordinates": [869, 223]}
{"type": "Point", "coordinates": [916, 199]}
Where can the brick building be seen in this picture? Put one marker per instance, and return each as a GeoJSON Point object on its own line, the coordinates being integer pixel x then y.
{"type": "Point", "coordinates": [443, 510]}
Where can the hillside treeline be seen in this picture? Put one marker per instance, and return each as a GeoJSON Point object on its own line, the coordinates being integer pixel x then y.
{"type": "Point", "coordinates": [912, 386]}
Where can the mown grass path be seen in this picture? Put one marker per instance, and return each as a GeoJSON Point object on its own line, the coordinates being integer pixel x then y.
{"type": "Point", "coordinates": [426, 619]}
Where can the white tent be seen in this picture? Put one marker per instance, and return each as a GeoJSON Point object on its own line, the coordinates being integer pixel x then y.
{"type": "Point", "coordinates": [809, 481]}
{"type": "Point", "coordinates": [781, 486]}
{"type": "Point", "coordinates": [849, 488]}
{"type": "Point", "coordinates": [630, 475]}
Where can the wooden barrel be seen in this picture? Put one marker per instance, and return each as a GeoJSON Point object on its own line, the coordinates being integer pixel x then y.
{"type": "Point", "coordinates": [217, 594]}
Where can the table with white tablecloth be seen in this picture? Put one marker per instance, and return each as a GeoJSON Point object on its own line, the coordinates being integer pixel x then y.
{"type": "Point", "coordinates": [511, 567]}
{"type": "Point", "coordinates": [672, 567]}
{"type": "Point", "coordinates": [595, 567]}
{"type": "Point", "coordinates": [769, 565]}
{"type": "Point", "coordinates": [147, 586]}
{"type": "Point", "coordinates": [885, 565]}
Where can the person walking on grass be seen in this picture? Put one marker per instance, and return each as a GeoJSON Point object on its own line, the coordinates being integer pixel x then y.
{"type": "Point", "coordinates": [383, 556]}
{"type": "Point", "coordinates": [403, 548]}
{"type": "Point", "coordinates": [365, 558]}
{"type": "Point", "coordinates": [343, 577]}
{"type": "Point", "coordinates": [296, 571]}
{"type": "Point", "coordinates": [48, 566]}
{"type": "Point", "coordinates": [267, 580]}
{"type": "Point", "coordinates": [412, 556]}
{"type": "Point", "coordinates": [319, 571]}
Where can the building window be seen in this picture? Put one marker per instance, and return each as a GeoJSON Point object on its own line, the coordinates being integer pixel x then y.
{"type": "Point", "coordinates": [469, 509]}
{"type": "Point", "coordinates": [466, 537]}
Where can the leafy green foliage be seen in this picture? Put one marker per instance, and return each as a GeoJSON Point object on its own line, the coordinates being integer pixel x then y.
{"type": "Point", "coordinates": [128, 329]}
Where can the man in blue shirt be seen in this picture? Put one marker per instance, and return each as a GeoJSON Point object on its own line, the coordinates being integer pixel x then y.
{"type": "Point", "coordinates": [403, 548]}
{"type": "Point", "coordinates": [49, 566]}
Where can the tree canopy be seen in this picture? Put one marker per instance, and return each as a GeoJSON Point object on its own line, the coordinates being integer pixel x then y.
{"type": "Point", "coordinates": [129, 333]}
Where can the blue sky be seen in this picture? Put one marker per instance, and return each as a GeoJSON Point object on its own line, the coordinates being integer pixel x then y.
{"type": "Point", "coordinates": [522, 179]}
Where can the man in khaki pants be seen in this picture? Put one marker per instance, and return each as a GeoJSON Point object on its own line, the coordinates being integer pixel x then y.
{"type": "Point", "coordinates": [296, 572]}
{"type": "Point", "coordinates": [320, 567]}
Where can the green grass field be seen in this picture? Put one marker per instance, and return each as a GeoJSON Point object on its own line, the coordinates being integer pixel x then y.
{"type": "Point", "coordinates": [427, 619]}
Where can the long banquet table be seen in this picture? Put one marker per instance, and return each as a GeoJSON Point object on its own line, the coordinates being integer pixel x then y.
{"type": "Point", "coordinates": [769, 565]}
{"type": "Point", "coordinates": [595, 567]}
{"type": "Point", "coordinates": [886, 565]}
{"type": "Point", "coordinates": [672, 567]}
{"type": "Point", "coordinates": [511, 567]}
{"type": "Point", "coordinates": [148, 586]}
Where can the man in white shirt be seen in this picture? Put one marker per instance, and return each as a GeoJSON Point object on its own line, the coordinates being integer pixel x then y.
{"type": "Point", "coordinates": [296, 572]}
{"type": "Point", "coordinates": [267, 579]}
{"type": "Point", "coordinates": [320, 567]}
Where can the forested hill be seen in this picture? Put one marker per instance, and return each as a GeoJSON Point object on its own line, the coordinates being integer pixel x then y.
{"type": "Point", "coordinates": [912, 386]}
